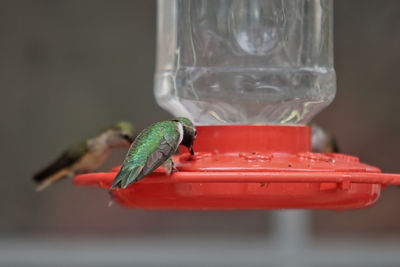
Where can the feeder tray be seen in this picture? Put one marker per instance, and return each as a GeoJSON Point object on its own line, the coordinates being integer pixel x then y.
{"type": "Point", "coordinates": [252, 167]}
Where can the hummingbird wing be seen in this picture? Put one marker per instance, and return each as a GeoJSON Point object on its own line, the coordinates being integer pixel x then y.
{"type": "Point", "coordinates": [65, 160]}
{"type": "Point", "coordinates": [149, 151]}
{"type": "Point", "coordinates": [157, 158]}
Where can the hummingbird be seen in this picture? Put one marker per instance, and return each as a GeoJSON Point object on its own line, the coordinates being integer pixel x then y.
{"type": "Point", "coordinates": [154, 147]}
{"type": "Point", "coordinates": [87, 155]}
{"type": "Point", "coordinates": [322, 141]}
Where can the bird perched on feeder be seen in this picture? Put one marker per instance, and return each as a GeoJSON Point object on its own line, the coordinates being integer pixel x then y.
{"type": "Point", "coordinates": [154, 147]}
{"type": "Point", "coordinates": [322, 141]}
{"type": "Point", "coordinates": [86, 156]}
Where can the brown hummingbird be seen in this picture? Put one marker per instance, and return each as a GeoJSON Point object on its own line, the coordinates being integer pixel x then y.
{"type": "Point", "coordinates": [322, 141]}
{"type": "Point", "coordinates": [87, 155]}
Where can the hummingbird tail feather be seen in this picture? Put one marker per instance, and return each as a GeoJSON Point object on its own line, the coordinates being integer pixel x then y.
{"type": "Point", "coordinates": [46, 181]}
{"type": "Point", "coordinates": [132, 176]}
{"type": "Point", "coordinates": [126, 177]}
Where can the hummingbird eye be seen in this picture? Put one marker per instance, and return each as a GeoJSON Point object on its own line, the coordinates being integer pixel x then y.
{"type": "Point", "coordinates": [127, 137]}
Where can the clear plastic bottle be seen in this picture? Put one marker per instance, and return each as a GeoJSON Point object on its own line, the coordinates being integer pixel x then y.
{"type": "Point", "coordinates": [245, 61]}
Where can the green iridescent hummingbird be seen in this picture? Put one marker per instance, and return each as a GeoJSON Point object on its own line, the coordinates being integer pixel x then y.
{"type": "Point", "coordinates": [322, 141]}
{"type": "Point", "coordinates": [154, 147]}
{"type": "Point", "coordinates": [86, 156]}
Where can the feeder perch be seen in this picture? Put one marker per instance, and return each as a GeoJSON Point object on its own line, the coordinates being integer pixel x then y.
{"type": "Point", "coordinates": [251, 75]}
{"type": "Point", "coordinates": [253, 167]}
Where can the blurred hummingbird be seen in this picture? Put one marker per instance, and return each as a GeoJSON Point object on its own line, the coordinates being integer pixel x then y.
{"type": "Point", "coordinates": [322, 141]}
{"type": "Point", "coordinates": [154, 147]}
{"type": "Point", "coordinates": [86, 156]}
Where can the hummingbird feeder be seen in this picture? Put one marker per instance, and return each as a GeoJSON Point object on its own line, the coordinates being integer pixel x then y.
{"type": "Point", "coordinates": [251, 75]}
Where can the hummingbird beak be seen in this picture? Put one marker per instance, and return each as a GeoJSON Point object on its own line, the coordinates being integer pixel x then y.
{"type": "Point", "coordinates": [191, 150]}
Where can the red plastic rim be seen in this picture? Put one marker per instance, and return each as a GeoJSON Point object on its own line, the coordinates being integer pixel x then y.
{"type": "Point", "coordinates": [253, 167]}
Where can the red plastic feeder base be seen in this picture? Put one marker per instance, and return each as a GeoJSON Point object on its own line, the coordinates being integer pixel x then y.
{"type": "Point", "coordinates": [252, 167]}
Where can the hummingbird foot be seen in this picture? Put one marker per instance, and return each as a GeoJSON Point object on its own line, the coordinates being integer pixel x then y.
{"type": "Point", "coordinates": [169, 166]}
{"type": "Point", "coordinates": [174, 169]}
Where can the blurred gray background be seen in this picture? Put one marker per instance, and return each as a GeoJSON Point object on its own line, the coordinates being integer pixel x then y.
{"type": "Point", "coordinates": [68, 68]}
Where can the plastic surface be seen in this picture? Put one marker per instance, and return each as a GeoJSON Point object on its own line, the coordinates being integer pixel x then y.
{"type": "Point", "coordinates": [245, 61]}
{"type": "Point", "coordinates": [252, 167]}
